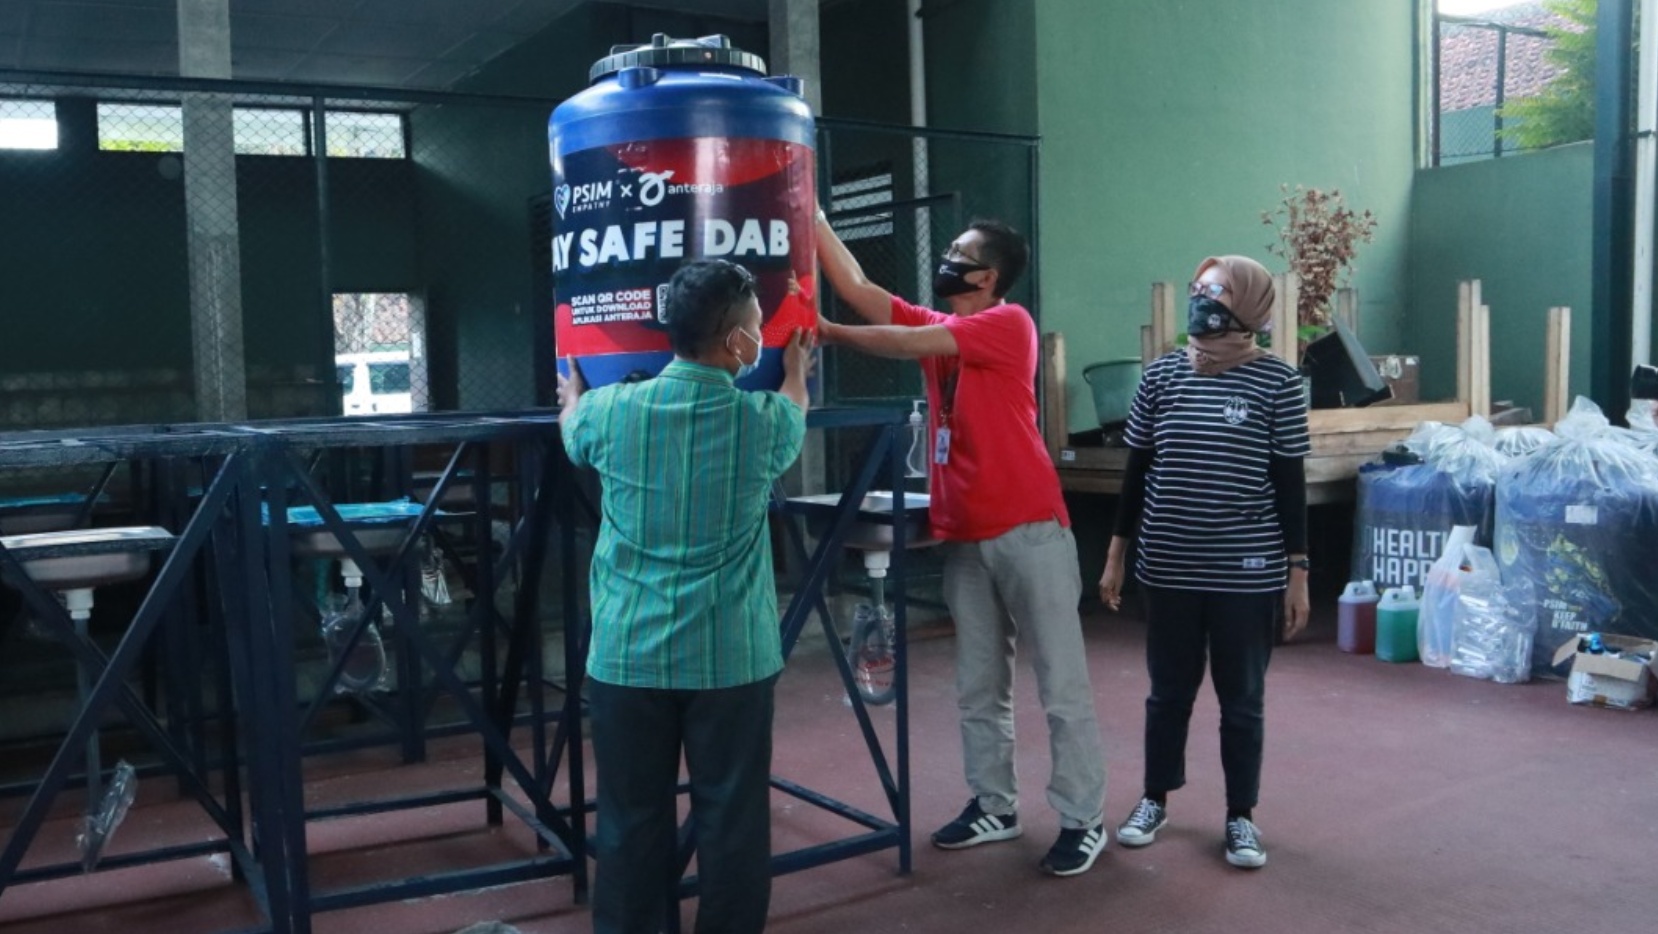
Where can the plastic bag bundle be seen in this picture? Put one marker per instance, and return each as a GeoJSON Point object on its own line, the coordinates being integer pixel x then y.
{"type": "Point", "coordinates": [1490, 634]}
{"type": "Point", "coordinates": [1579, 520]}
{"type": "Point", "coordinates": [1643, 423]}
{"type": "Point", "coordinates": [1437, 616]}
{"type": "Point", "coordinates": [1405, 513]}
{"type": "Point", "coordinates": [1426, 439]}
{"type": "Point", "coordinates": [1520, 440]}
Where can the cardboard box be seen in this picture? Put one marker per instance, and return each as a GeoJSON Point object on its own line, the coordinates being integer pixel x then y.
{"type": "Point", "coordinates": [1403, 375]}
{"type": "Point", "coordinates": [1610, 680]}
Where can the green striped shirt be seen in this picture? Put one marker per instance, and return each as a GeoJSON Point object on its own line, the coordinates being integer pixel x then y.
{"type": "Point", "coordinates": [683, 591]}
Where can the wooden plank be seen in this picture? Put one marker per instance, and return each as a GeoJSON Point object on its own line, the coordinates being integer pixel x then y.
{"type": "Point", "coordinates": [1053, 392]}
{"type": "Point", "coordinates": [1163, 322]}
{"type": "Point", "coordinates": [1357, 442]}
{"type": "Point", "coordinates": [1557, 362]}
{"type": "Point", "coordinates": [1093, 458]}
{"type": "Point", "coordinates": [1379, 418]}
{"type": "Point", "coordinates": [1468, 298]}
{"type": "Point", "coordinates": [1347, 308]}
{"type": "Point", "coordinates": [1091, 481]}
{"type": "Point", "coordinates": [1169, 312]}
{"type": "Point", "coordinates": [1480, 362]}
{"type": "Point", "coordinates": [1286, 287]}
{"type": "Point", "coordinates": [1341, 467]}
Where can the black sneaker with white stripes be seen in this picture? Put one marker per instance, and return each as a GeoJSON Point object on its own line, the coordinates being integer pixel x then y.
{"type": "Point", "coordinates": [1074, 851]}
{"type": "Point", "coordinates": [974, 827]}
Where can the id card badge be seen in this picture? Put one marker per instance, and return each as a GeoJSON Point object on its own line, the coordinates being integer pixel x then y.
{"type": "Point", "coordinates": [941, 447]}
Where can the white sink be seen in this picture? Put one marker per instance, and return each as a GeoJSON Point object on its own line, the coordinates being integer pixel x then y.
{"type": "Point", "coordinates": [871, 534]}
{"type": "Point", "coordinates": [84, 558]}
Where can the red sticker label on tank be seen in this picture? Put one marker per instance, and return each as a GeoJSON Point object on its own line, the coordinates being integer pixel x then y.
{"type": "Point", "coordinates": [626, 217]}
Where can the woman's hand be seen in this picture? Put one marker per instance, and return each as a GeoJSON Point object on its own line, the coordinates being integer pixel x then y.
{"type": "Point", "coordinates": [1296, 605]}
{"type": "Point", "coordinates": [1111, 580]}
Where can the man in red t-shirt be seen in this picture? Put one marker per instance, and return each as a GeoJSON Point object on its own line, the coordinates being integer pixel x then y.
{"type": "Point", "coordinates": [1011, 563]}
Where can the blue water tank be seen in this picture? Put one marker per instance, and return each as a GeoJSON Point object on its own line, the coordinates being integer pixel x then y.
{"type": "Point", "coordinates": [677, 150]}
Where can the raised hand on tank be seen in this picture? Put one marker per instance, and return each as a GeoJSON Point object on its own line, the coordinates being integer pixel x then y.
{"type": "Point", "coordinates": [569, 389]}
{"type": "Point", "coordinates": [797, 355]}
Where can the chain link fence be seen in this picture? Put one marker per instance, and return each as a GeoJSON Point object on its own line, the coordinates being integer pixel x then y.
{"type": "Point", "coordinates": [1480, 67]}
{"type": "Point", "coordinates": [180, 251]}
{"type": "Point", "coordinates": [898, 197]}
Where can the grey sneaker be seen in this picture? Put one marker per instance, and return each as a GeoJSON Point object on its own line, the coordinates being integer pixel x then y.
{"type": "Point", "coordinates": [1074, 851]}
{"type": "Point", "coordinates": [1142, 825]}
{"type": "Point", "coordinates": [974, 827]}
{"type": "Point", "coordinates": [1243, 844]}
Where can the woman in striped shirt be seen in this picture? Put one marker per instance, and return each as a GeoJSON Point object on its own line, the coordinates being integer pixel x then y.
{"type": "Point", "coordinates": [1215, 498]}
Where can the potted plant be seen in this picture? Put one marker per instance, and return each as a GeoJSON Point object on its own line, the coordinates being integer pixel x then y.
{"type": "Point", "coordinates": [1318, 236]}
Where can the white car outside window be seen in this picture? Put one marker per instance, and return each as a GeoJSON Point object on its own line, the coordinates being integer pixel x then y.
{"type": "Point", "coordinates": [375, 383]}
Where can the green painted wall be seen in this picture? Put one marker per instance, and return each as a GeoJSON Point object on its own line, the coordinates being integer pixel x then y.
{"type": "Point", "coordinates": [1522, 226]}
{"type": "Point", "coordinates": [1167, 130]}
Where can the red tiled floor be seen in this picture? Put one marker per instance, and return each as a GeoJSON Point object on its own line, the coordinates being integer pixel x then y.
{"type": "Point", "coordinates": [1396, 798]}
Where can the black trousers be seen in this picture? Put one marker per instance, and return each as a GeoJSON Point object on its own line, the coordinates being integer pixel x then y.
{"type": "Point", "coordinates": [1234, 634]}
{"type": "Point", "coordinates": [638, 735]}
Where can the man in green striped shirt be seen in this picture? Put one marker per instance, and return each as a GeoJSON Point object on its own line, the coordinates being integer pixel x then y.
{"type": "Point", "coordinates": [686, 646]}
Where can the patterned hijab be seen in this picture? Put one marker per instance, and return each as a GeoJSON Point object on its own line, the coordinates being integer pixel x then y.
{"type": "Point", "coordinates": [1248, 296]}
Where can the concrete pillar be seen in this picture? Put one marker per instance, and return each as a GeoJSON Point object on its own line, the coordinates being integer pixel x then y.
{"type": "Point", "coordinates": [214, 238]}
{"type": "Point", "coordinates": [795, 50]}
{"type": "Point", "coordinates": [795, 46]}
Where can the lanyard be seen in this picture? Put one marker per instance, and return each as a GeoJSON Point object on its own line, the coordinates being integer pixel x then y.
{"type": "Point", "coordinates": [947, 392]}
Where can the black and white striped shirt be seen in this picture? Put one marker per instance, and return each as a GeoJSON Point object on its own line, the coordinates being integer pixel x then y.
{"type": "Point", "coordinates": [1211, 521]}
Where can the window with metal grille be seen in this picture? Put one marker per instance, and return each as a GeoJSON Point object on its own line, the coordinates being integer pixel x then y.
{"type": "Point", "coordinates": [359, 135]}
{"type": "Point", "coordinates": [28, 125]}
{"type": "Point", "coordinates": [258, 131]}
{"type": "Point", "coordinates": [861, 203]}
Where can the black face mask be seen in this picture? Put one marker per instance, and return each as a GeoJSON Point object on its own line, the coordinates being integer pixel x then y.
{"type": "Point", "coordinates": [1206, 317]}
{"type": "Point", "coordinates": [951, 278]}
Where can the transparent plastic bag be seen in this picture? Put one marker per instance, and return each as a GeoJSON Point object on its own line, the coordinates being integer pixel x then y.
{"type": "Point", "coordinates": [1520, 440]}
{"type": "Point", "coordinates": [365, 668]}
{"type": "Point", "coordinates": [434, 584]}
{"type": "Point", "coordinates": [1489, 639]}
{"type": "Point", "coordinates": [1437, 615]}
{"type": "Point", "coordinates": [874, 661]}
{"type": "Point", "coordinates": [100, 825]}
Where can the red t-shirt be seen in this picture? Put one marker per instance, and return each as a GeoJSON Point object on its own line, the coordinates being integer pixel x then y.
{"type": "Point", "coordinates": [998, 474]}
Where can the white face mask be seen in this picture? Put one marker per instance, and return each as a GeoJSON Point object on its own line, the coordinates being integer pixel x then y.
{"type": "Point", "coordinates": [745, 369]}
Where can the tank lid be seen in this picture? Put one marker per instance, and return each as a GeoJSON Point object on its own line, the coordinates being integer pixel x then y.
{"type": "Point", "coordinates": [663, 51]}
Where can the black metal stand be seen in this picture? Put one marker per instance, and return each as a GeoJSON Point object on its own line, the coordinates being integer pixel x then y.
{"type": "Point", "coordinates": [234, 545]}
{"type": "Point", "coordinates": [489, 713]}
{"type": "Point", "coordinates": [209, 530]}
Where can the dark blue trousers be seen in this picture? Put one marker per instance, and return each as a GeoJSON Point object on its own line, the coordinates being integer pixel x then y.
{"type": "Point", "coordinates": [1233, 634]}
{"type": "Point", "coordinates": [638, 737]}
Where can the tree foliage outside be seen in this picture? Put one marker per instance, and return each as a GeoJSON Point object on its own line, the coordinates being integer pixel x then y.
{"type": "Point", "coordinates": [1565, 110]}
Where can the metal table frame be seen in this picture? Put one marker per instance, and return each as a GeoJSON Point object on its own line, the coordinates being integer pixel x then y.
{"type": "Point", "coordinates": [211, 528]}
{"type": "Point", "coordinates": [278, 792]}
{"type": "Point", "coordinates": [252, 467]}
